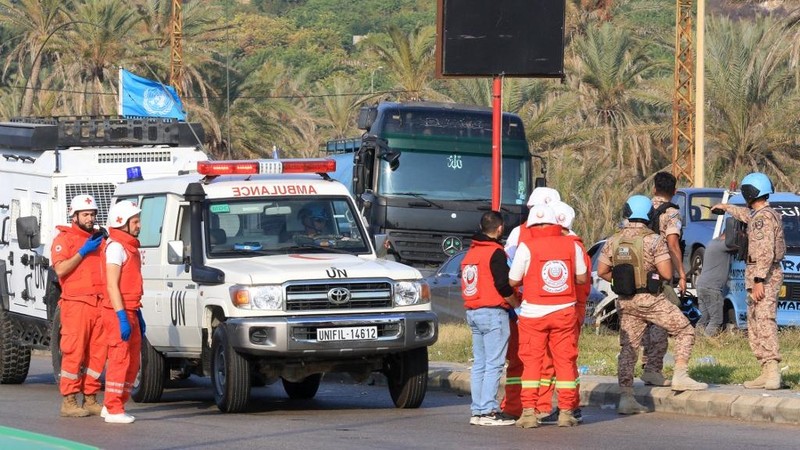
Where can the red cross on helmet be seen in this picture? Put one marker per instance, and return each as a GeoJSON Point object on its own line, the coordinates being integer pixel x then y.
{"type": "Point", "coordinates": [120, 212]}
{"type": "Point", "coordinates": [82, 202]}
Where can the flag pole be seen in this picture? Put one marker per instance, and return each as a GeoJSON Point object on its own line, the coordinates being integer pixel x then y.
{"type": "Point", "coordinates": [119, 93]}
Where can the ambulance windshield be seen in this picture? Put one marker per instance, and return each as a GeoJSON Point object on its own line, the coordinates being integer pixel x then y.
{"type": "Point", "coordinates": [259, 226]}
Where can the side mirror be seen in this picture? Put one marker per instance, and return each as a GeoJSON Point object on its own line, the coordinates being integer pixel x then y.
{"type": "Point", "coordinates": [540, 182]}
{"type": "Point", "coordinates": [176, 254]}
{"type": "Point", "coordinates": [28, 232]}
{"type": "Point", "coordinates": [367, 199]}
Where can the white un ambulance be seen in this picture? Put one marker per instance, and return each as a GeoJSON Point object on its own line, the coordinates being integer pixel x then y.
{"type": "Point", "coordinates": [259, 271]}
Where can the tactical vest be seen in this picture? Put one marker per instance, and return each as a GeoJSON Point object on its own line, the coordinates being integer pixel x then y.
{"type": "Point", "coordinates": [628, 274]}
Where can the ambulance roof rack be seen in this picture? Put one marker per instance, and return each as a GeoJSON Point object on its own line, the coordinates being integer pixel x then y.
{"type": "Point", "coordinates": [49, 133]}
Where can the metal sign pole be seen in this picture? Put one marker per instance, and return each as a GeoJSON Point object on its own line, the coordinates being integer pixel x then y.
{"type": "Point", "coordinates": [497, 143]}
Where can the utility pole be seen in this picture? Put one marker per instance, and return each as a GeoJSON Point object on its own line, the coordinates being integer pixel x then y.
{"type": "Point", "coordinates": [176, 47]}
{"type": "Point", "coordinates": [683, 106]}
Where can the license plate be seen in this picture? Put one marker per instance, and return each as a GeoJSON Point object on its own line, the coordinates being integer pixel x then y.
{"type": "Point", "coordinates": [347, 334]}
{"type": "Point", "coordinates": [782, 293]}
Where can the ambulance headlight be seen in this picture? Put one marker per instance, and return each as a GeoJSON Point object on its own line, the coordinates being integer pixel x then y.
{"type": "Point", "coordinates": [268, 298]}
{"type": "Point", "coordinates": [411, 293]}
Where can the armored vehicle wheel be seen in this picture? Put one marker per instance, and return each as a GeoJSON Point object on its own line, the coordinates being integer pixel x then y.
{"type": "Point", "coordinates": [55, 344]}
{"type": "Point", "coordinates": [302, 390]}
{"type": "Point", "coordinates": [152, 375]}
{"type": "Point", "coordinates": [15, 358]}
{"type": "Point", "coordinates": [230, 374]}
{"type": "Point", "coordinates": [407, 376]}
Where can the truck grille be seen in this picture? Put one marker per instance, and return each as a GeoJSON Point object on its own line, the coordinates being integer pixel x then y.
{"type": "Point", "coordinates": [314, 297]}
{"type": "Point", "coordinates": [423, 247]}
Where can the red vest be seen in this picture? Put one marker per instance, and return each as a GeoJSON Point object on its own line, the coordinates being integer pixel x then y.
{"type": "Point", "coordinates": [583, 290]}
{"type": "Point", "coordinates": [130, 282]}
{"type": "Point", "coordinates": [477, 281]}
{"type": "Point", "coordinates": [550, 278]}
{"type": "Point", "coordinates": [87, 283]}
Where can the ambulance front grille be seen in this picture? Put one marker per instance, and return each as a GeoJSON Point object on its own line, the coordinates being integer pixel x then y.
{"type": "Point", "coordinates": [313, 297]}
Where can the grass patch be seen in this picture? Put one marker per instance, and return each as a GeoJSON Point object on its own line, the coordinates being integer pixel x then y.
{"type": "Point", "coordinates": [726, 359]}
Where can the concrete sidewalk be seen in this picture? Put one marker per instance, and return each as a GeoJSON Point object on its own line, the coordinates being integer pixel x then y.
{"type": "Point", "coordinates": [724, 401]}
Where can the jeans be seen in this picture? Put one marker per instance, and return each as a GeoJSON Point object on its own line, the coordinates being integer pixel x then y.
{"type": "Point", "coordinates": [490, 333]}
{"type": "Point", "coordinates": [711, 305]}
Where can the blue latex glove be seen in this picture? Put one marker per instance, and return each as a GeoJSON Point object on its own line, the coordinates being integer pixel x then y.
{"type": "Point", "coordinates": [124, 325]}
{"type": "Point", "coordinates": [90, 245]}
{"type": "Point", "coordinates": [142, 325]}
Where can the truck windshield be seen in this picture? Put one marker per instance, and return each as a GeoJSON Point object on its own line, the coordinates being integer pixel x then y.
{"type": "Point", "coordinates": [790, 212]}
{"type": "Point", "coordinates": [453, 176]}
{"type": "Point", "coordinates": [254, 227]}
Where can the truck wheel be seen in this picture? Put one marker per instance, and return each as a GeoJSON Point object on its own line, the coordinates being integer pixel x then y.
{"type": "Point", "coordinates": [55, 344]}
{"type": "Point", "coordinates": [407, 376]}
{"type": "Point", "coordinates": [152, 375]}
{"type": "Point", "coordinates": [15, 359]}
{"type": "Point", "coordinates": [696, 265]}
{"type": "Point", "coordinates": [230, 374]}
{"type": "Point", "coordinates": [302, 390]}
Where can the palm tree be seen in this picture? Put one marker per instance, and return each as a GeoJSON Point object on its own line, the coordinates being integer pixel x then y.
{"type": "Point", "coordinates": [408, 60]}
{"type": "Point", "coordinates": [753, 102]}
{"type": "Point", "coordinates": [34, 22]}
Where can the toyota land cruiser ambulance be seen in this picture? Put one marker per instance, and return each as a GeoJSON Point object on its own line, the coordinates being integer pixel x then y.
{"type": "Point", "coordinates": [735, 310]}
{"type": "Point", "coordinates": [256, 271]}
{"type": "Point", "coordinates": [44, 163]}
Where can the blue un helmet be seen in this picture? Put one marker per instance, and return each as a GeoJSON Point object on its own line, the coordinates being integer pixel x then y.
{"type": "Point", "coordinates": [638, 207]}
{"type": "Point", "coordinates": [756, 185]}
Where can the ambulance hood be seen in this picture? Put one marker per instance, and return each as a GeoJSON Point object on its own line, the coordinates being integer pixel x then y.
{"type": "Point", "coordinates": [310, 266]}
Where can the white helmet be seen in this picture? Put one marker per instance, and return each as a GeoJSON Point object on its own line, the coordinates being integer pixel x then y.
{"type": "Point", "coordinates": [564, 214]}
{"type": "Point", "coordinates": [82, 202]}
{"type": "Point", "coordinates": [120, 212]}
{"type": "Point", "coordinates": [543, 196]}
{"type": "Point", "coordinates": [541, 214]}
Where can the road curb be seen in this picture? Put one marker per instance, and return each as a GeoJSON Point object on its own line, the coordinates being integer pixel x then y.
{"type": "Point", "coordinates": [722, 401]}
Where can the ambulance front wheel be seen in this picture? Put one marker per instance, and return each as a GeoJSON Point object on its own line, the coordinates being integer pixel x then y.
{"type": "Point", "coordinates": [407, 377]}
{"type": "Point", "coordinates": [230, 374]}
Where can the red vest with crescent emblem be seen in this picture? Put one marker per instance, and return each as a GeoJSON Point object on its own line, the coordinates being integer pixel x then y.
{"type": "Point", "coordinates": [87, 282]}
{"type": "Point", "coordinates": [550, 279]}
{"type": "Point", "coordinates": [477, 282]}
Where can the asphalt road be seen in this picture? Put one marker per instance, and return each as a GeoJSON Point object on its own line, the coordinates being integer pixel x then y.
{"type": "Point", "coordinates": [358, 416]}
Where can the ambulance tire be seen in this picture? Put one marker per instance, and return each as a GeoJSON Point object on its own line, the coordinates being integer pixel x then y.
{"type": "Point", "coordinates": [152, 375]}
{"type": "Point", "coordinates": [302, 390]}
{"type": "Point", "coordinates": [55, 344]}
{"type": "Point", "coordinates": [230, 374]}
{"type": "Point", "coordinates": [407, 377]}
{"type": "Point", "coordinates": [15, 358]}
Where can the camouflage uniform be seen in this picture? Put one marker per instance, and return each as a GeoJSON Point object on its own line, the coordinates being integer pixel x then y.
{"type": "Point", "coordinates": [638, 311]}
{"type": "Point", "coordinates": [765, 250]}
{"type": "Point", "coordinates": [654, 341]}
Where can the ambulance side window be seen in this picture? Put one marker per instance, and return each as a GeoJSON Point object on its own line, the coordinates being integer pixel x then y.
{"type": "Point", "coordinates": [152, 218]}
{"type": "Point", "coordinates": [185, 230]}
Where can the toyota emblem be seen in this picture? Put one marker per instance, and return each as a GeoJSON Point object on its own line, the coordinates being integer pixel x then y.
{"type": "Point", "coordinates": [451, 245]}
{"type": "Point", "coordinates": [339, 296]}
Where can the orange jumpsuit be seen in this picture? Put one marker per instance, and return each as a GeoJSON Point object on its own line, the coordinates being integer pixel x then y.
{"type": "Point", "coordinates": [549, 280]}
{"type": "Point", "coordinates": [547, 381]}
{"type": "Point", "coordinates": [124, 357]}
{"type": "Point", "coordinates": [83, 349]}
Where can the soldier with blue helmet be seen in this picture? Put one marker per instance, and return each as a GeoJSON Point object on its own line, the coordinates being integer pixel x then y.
{"type": "Point", "coordinates": [763, 275]}
{"type": "Point", "coordinates": [636, 260]}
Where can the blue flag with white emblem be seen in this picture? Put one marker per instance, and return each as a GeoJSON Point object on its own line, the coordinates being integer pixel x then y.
{"type": "Point", "coordinates": [142, 97]}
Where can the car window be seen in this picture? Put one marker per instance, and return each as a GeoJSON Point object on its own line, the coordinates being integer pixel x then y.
{"type": "Point", "coordinates": [700, 206]}
{"type": "Point", "coordinates": [680, 200]}
{"type": "Point", "coordinates": [453, 265]}
{"type": "Point", "coordinates": [594, 253]}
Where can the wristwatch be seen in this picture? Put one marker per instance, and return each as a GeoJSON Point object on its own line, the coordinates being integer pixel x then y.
{"type": "Point", "coordinates": [758, 280]}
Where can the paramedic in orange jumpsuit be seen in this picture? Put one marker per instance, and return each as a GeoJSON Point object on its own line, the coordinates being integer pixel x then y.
{"type": "Point", "coordinates": [122, 315]}
{"type": "Point", "coordinates": [78, 261]}
{"type": "Point", "coordinates": [512, 404]}
{"type": "Point", "coordinates": [565, 215]}
{"type": "Point", "coordinates": [547, 320]}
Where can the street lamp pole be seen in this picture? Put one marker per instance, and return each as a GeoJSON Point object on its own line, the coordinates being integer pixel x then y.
{"type": "Point", "coordinates": [372, 79]}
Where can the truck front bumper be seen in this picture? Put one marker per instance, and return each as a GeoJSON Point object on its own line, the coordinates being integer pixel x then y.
{"type": "Point", "coordinates": [297, 336]}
